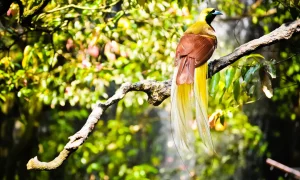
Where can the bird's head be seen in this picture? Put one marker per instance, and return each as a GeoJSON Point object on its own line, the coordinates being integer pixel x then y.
{"type": "Point", "coordinates": [208, 15]}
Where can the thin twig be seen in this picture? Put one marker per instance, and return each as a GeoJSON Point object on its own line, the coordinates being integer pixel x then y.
{"type": "Point", "coordinates": [283, 167]}
{"type": "Point", "coordinates": [296, 54]}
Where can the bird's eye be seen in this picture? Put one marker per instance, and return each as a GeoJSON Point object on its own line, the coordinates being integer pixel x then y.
{"type": "Point", "coordinates": [213, 11]}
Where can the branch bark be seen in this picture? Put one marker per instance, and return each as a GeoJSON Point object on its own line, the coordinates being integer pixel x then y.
{"type": "Point", "coordinates": [283, 168]}
{"type": "Point", "coordinates": [158, 91]}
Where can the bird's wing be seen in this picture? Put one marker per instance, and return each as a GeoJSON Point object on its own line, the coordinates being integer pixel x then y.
{"type": "Point", "coordinates": [192, 51]}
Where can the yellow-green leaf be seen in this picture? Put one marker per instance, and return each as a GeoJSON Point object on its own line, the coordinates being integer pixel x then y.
{"type": "Point", "coordinates": [213, 88]}
{"type": "Point", "coordinates": [236, 90]}
{"type": "Point", "coordinates": [26, 56]}
{"type": "Point", "coordinates": [229, 74]}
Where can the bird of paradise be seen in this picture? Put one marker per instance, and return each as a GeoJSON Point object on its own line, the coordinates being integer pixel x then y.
{"type": "Point", "coordinates": [189, 87]}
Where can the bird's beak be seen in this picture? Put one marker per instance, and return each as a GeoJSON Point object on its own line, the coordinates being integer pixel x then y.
{"type": "Point", "coordinates": [217, 13]}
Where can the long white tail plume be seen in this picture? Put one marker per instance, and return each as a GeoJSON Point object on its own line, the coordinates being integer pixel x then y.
{"type": "Point", "coordinates": [181, 110]}
{"type": "Point", "coordinates": [184, 99]}
{"type": "Point", "coordinates": [201, 97]}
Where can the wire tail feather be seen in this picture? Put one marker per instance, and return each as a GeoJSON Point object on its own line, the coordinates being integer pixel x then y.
{"type": "Point", "coordinates": [181, 110]}
{"type": "Point", "coordinates": [201, 96]}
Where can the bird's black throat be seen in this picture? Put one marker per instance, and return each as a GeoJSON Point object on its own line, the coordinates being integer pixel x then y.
{"type": "Point", "coordinates": [209, 18]}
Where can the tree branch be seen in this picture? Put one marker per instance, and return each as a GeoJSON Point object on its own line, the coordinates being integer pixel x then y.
{"type": "Point", "coordinates": [283, 167]}
{"type": "Point", "coordinates": [34, 163]}
{"type": "Point", "coordinates": [158, 91]}
{"type": "Point", "coordinates": [285, 31]}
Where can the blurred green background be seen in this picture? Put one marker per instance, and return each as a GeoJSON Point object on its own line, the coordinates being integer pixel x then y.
{"type": "Point", "coordinates": [74, 54]}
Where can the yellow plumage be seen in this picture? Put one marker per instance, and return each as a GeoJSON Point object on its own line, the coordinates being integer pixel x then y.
{"type": "Point", "coordinates": [181, 110]}
{"type": "Point", "coordinates": [184, 98]}
{"type": "Point", "coordinates": [201, 96]}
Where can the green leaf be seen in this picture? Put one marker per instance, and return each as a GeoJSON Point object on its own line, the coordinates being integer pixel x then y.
{"type": "Point", "coordinates": [2, 97]}
{"type": "Point", "coordinates": [190, 4]}
{"type": "Point", "coordinates": [220, 100]}
{"type": "Point", "coordinates": [236, 90]}
{"type": "Point", "coordinates": [222, 119]}
{"type": "Point", "coordinates": [229, 74]}
{"type": "Point", "coordinates": [251, 90]}
{"type": "Point", "coordinates": [118, 16]}
{"type": "Point", "coordinates": [255, 56]}
{"type": "Point", "coordinates": [270, 69]}
{"type": "Point", "coordinates": [27, 56]}
{"type": "Point", "coordinates": [213, 88]}
{"type": "Point", "coordinates": [250, 72]}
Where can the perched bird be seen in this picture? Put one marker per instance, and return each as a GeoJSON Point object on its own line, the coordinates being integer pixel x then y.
{"type": "Point", "coordinates": [189, 87]}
